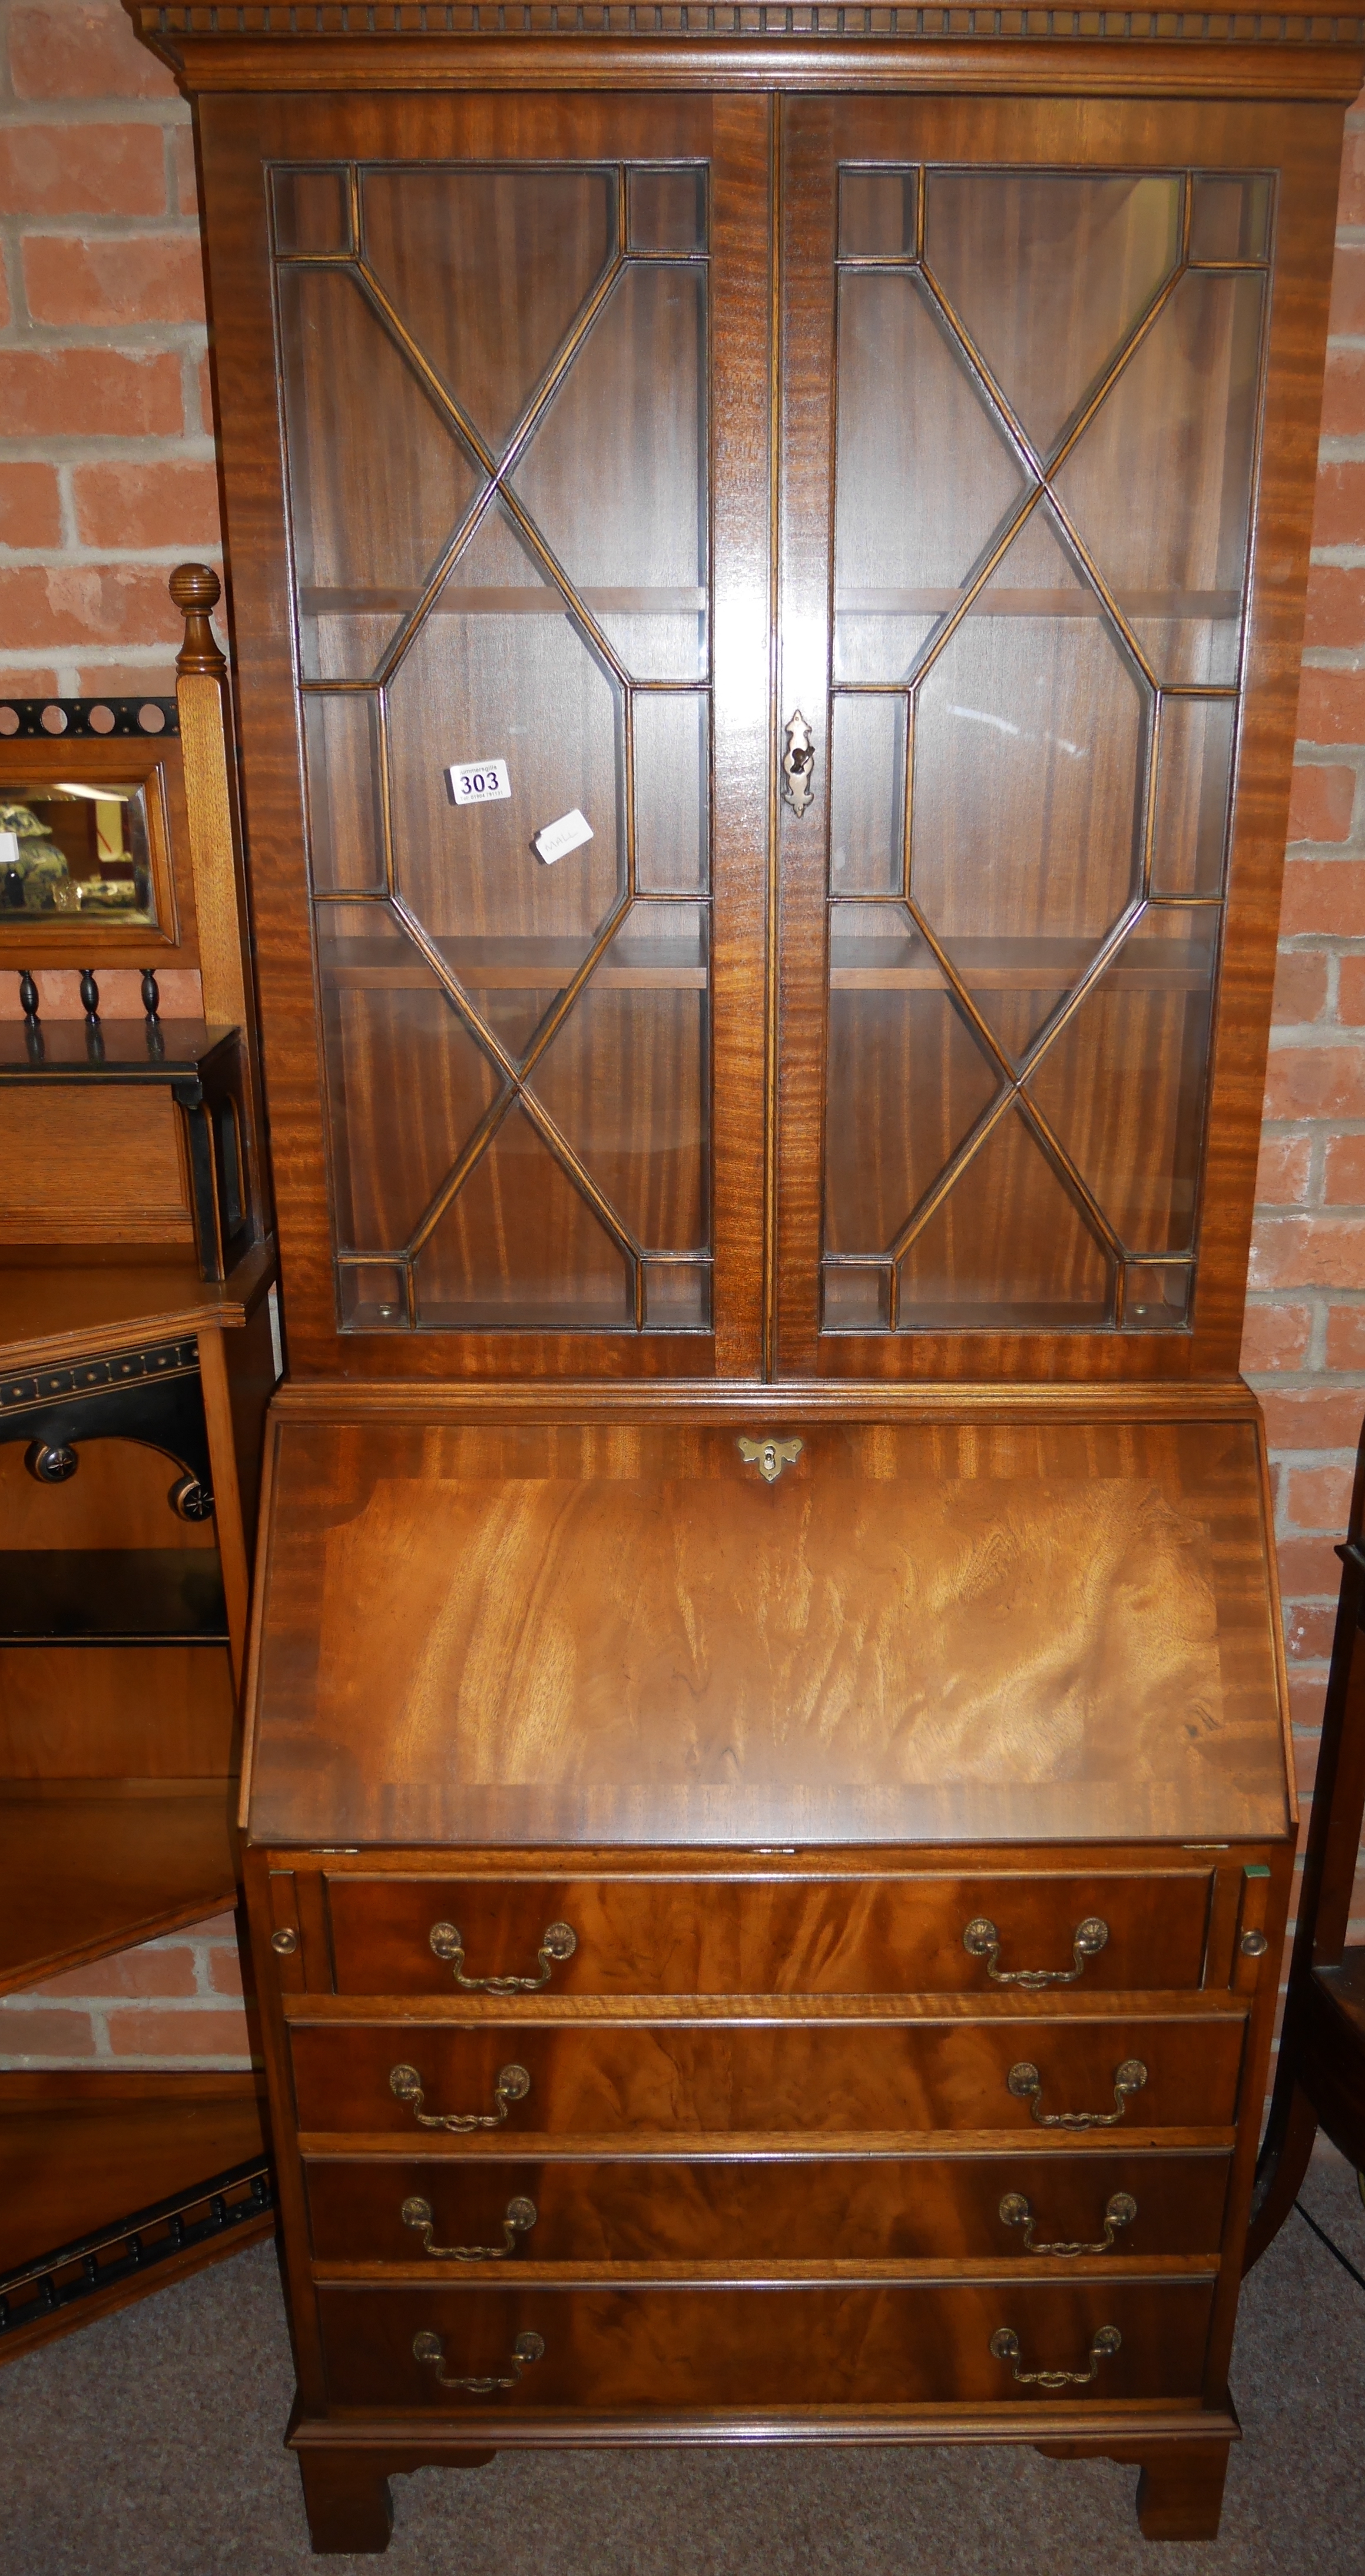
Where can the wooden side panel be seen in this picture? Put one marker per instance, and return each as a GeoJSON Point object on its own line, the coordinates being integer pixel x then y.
{"type": "Point", "coordinates": [86, 1165]}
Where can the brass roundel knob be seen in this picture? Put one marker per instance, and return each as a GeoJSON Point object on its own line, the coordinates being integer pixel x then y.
{"type": "Point", "coordinates": [285, 1942]}
{"type": "Point", "coordinates": [406, 2083]}
{"type": "Point", "coordinates": [1005, 2344]}
{"type": "Point", "coordinates": [560, 1941]}
{"type": "Point", "coordinates": [427, 2347]}
{"type": "Point", "coordinates": [1131, 2076]}
{"type": "Point", "coordinates": [1024, 2079]}
{"type": "Point", "coordinates": [529, 2347]}
{"type": "Point", "coordinates": [513, 2083]}
{"type": "Point", "coordinates": [521, 2214]}
{"type": "Point", "coordinates": [416, 2213]}
{"type": "Point", "coordinates": [446, 1941]}
{"type": "Point", "coordinates": [1090, 1936]}
{"type": "Point", "coordinates": [1105, 2342]}
{"type": "Point", "coordinates": [980, 1936]}
{"type": "Point", "coordinates": [1014, 2210]}
{"type": "Point", "coordinates": [1121, 2209]}
{"type": "Point", "coordinates": [1254, 1945]}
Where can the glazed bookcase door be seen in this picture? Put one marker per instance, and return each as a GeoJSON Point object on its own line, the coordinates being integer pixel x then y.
{"type": "Point", "coordinates": [1032, 933]}
{"type": "Point", "coordinates": [504, 356]}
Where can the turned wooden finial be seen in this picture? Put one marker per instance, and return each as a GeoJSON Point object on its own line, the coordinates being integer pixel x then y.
{"type": "Point", "coordinates": [196, 589]}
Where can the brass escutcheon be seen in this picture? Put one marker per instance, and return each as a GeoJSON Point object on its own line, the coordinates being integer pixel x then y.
{"type": "Point", "coordinates": [513, 2085]}
{"type": "Point", "coordinates": [769, 1456]}
{"type": "Point", "coordinates": [1120, 2211]}
{"type": "Point", "coordinates": [521, 2215]}
{"type": "Point", "coordinates": [983, 1942]}
{"type": "Point", "coordinates": [557, 1943]}
{"type": "Point", "coordinates": [798, 763]}
{"type": "Point", "coordinates": [526, 2349]}
{"type": "Point", "coordinates": [1026, 2084]}
{"type": "Point", "coordinates": [1005, 2346]}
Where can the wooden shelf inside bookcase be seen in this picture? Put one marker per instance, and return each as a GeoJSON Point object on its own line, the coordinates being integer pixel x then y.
{"type": "Point", "coordinates": [1016, 965]}
{"type": "Point", "coordinates": [508, 965]}
{"type": "Point", "coordinates": [540, 600]}
{"type": "Point", "coordinates": [88, 1867]}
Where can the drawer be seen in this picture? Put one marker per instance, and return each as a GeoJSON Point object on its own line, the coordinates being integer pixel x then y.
{"type": "Point", "coordinates": [729, 1935]}
{"type": "Point", "coordinates": [805, 2075]}
{"type": "Point", "coordinates": [743, 2351]}
{"type": "Point", "coordinates": [765, 2209]}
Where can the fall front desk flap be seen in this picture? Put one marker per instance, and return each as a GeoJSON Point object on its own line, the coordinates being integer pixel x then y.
{"type": "Point", "coordinates": [627, 1633]}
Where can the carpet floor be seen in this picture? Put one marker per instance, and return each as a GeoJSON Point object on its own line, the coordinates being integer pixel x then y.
{"type": "Point", "coordinates": [149, 2445]}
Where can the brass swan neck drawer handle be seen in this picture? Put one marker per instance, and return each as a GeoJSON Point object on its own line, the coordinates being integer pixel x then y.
{"type": "Point", "coordinates": [1005, 2346]}
{"type": "Point", "coordinates": [1087, 1941]}
{"type": "Point", "coordinates": [1120, 2211]}
{"type": "Point", "coordinates": [521, 2215]}
{"type": "Point", "coordinates": [526, 2349]}
{"type": "Point", "coordinates": [1026, 2084]}
{"type": "Point", "coordinates": [513, 2085]}
{"type": "Point", "coordinates": [557, 1943]}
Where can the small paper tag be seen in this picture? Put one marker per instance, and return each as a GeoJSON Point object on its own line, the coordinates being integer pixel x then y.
{"type": "Point", "coordinates": [557, 839]}
{"type": "Point", "coordinates": [9, 849]}
{"type": "Point", "coordinates": [479, 782]}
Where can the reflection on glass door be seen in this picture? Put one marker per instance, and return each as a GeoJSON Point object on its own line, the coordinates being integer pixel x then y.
{"type": "Point", "coordinates": [1048, 393]}
{"type": "Point", "coordinates": [496, 416]}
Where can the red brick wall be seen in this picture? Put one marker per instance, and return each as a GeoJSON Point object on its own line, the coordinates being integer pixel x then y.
{"type": "Point", "coordinates": [106, 434]}
{"type": "Point", "coordinates": [173, 2002]}
{"type": "Point", "coordinates": [1304, 1347]}
{"type": "Point", "coordinates": [106, 481]}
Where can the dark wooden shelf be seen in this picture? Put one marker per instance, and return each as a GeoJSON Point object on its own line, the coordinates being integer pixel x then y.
{"type": "Point", "coordinates": [88, 1867]}
{"type": "Point", "coordinates": [1003, 602]}
{"type": "Point", "coordinates": [485, 600]}
{"type": "Point", "coordinates": [904, 965]}
{"type": "Point", "coordinates": [513, 965]}
{"type": "Point", "coordinates": [112, 1596]}
{"type": "Point", "coordinates": [114, 1050]}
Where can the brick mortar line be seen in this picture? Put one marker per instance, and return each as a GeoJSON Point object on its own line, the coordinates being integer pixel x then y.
{"type": "Point", "coordinates": [88, 558]}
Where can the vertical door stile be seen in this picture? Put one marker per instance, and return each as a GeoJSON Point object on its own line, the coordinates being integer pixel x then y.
{"type": "Point", "coordinates": [806, 422]}
{"type": "Point", "coordinates": [743, 558]}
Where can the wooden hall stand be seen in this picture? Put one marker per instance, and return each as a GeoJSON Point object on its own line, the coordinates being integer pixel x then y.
{"type": "Point", "coordinates": [768, 581]}
{"type": "Point", "coordinates": [135, 1367]}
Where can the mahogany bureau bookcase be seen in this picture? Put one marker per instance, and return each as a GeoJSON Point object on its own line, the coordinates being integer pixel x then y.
{"type": "Point", "coordinates": [768, 556]}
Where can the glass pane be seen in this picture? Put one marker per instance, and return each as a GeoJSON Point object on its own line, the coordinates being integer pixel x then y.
{"type": "Point", "coordinates": [854, 1301]}
{"type": "Point", "coordinates": [406, 1084]}
{"type": "Point", "coordinates": [1049, 272]}
{"type": "Point", "coordinates": [489, 270]}
{"type": "Point", "coordinates": [867, 796]}
{"type": "Point", "coordinates": [1123, 1085]}
{"type": "Point", "coordinates": [1160, 481]}
{"type": "Point", "coordinates": [1159, 1296]}
{"type": "Point", "coordinates": [1008, 1246]}
{"type": "Point", "coordinates": [877, 213]}
{"type": "Point", "coordinates": [922, 475]}
{"type": "Point", "coordinates": [625, 1079]}
{"type": "Point", "coordinates": [312, 212]}
{"type": "Point", "coordinates": [1193, 774]}
{"type": "Point", "coordinates": [615, 476]}
{"type": "Point", "coordinates": [1230, 217]}
{"type": "Point", "coordinates": [907, 1079]}
{"type": "Point", "coordinates": [1028, 798]}
{"type": "Point", "coordinates": [71, 850]}
{"type": "Point", "coordinates": [677, 1296]}
{"type": "Point", "coordinates": [377, 482]}
{"type": "Point", "coordinates": [666, 210]}
{"type": "Point", "coordinates": [373, 1298]}
{"type": "Point", "coordinates": [345, 814]}
{"type": "Point", "coordinates": [672, 794]}
{"type": "Point", "coordinates": [499, 672]}
{"type": "Point", "coordinates": [520, 1246]}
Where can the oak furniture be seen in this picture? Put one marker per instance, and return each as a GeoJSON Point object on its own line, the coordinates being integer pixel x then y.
{"type": "Point", "coordinates": [134, 1377]}
{"type": "Point", "coordinates": [1320, 2067]}
{"type": "Point", "coordinates": [768, 559]}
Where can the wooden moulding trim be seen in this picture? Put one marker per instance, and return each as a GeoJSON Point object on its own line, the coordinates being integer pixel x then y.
{"type": "Point", "coordinates": [707, 1401]}
{"type": "Point", "coordinates": [402, 2443]}
{"type": "Point", "coordinates": [1281, 63]}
